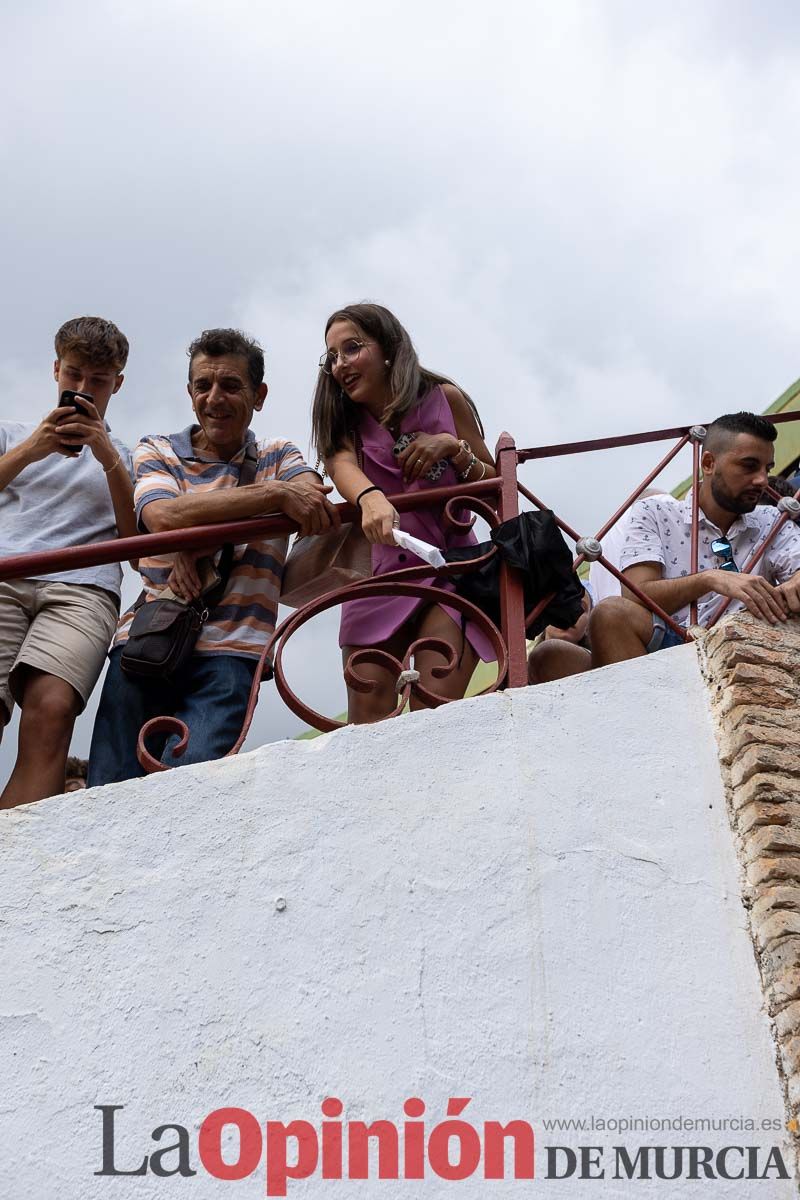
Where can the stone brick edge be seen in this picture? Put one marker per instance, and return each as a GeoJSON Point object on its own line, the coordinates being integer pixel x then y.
{"type": "Point", "coordinates": [752, 671]}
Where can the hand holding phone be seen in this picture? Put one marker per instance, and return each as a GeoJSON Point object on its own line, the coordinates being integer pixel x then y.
{"type": "Point", "coordinates": [73, 399]}
{"type": "Point", "coordinates": [435, 471]}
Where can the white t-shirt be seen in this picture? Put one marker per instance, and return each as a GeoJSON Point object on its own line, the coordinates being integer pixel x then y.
{"type": "Point", "coordinates": [59, 502]}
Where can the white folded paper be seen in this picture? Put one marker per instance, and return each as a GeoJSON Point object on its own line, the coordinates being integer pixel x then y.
{"type": "Point", "coordinates": [423, 550]}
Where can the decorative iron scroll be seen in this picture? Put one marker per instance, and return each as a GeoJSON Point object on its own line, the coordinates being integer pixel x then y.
{"type": "Point", "coordinates": [392, 583]}
{"type": "Point", "coordinates": [161, 725]}
{"type": "Point", "coordinates": [408, 683]}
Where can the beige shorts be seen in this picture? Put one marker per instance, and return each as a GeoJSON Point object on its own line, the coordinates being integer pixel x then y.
{"type": "Point", "coordinates": [63, 629]}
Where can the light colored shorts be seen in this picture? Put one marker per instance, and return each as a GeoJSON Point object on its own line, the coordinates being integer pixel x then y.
{"type": "Point", "coordinates": [63, 629]}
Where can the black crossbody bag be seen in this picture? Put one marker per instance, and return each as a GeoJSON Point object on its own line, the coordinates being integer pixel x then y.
{"type": "Point", "coordinates": [164, 633]}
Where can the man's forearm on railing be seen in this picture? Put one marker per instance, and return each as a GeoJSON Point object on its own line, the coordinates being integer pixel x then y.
{"type": "Point", "coordinates": [20, 566]}
{"type": "Point", "coordinates": [207, 508]}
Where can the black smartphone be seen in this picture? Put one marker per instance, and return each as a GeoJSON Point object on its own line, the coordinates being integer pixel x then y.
{"type": "Point", "coordinates": [73, 399]}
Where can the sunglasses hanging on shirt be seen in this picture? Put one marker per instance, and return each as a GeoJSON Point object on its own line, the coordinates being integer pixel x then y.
{"type": "Point", "coordinates": [722, 548]}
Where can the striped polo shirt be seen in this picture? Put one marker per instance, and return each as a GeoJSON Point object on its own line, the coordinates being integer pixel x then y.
{"type": "Point", "coordinates": [167, 467]}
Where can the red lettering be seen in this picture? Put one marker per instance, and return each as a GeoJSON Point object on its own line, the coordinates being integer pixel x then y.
{"type": "Point", "coordinates": [358, 1145]}
{"type": "Point", "coordinates": [209, 1143]}
{"type": "Point", "coordinates": [414, 1139]}
{"type": "Point", "coordinates": [332, 1139]}
{"type": "Point", "coordinates": [469, 1144]}
{"type": "Point", "coordinates": [494, 1149]}
{"type": "Point", "coordinates": [278, 1169]}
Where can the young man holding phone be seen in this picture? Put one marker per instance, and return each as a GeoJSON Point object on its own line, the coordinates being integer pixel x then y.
{"type": "Point", "coordinates": [63, 482]}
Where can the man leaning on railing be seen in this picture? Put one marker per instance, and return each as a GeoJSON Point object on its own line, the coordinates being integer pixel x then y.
{"type": "Point", "coordinates": [736, 461]}
{"type": "Point", "coordinates": [193, 478]}
{"type": "Point", "coordinates": [63, 482]}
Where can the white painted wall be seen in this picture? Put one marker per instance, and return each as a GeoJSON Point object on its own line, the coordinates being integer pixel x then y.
{"type": "Point", "coordinates": [530, 899]}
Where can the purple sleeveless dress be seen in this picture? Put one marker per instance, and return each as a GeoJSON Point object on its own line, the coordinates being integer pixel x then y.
{"type": "Point", "coordinates": [370, 621]}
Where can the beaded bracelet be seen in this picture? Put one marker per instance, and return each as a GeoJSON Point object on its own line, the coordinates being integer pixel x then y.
{"type": "Point", "coordinates": [462, 475]}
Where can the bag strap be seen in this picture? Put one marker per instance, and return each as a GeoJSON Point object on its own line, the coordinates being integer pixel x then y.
{"type": "Point", "coordinates": [247, 475]}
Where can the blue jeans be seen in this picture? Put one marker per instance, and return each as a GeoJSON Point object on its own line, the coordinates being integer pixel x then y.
{"type": "Point", "coordinates": [211, 700]}
{"type": "Point", "coordinates": [663, 637]}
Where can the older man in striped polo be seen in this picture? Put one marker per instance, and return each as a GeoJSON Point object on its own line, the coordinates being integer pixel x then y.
{"type": "Point", "coordinates": [192, 478]}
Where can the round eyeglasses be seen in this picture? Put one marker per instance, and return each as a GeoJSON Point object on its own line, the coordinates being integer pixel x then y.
{"type": "Point", "coordinates": [346, 353]}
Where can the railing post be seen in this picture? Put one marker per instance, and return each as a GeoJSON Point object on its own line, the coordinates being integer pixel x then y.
{"type": "Point", "coordinates": [697, 436]}
{"type": "Point", "coordinates": [512, 600]}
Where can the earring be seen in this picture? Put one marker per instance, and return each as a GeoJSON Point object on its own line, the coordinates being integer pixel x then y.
{"type": "Point", "coordinates": [386, 362]}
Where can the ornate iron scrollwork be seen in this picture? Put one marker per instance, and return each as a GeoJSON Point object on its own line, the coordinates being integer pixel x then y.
{"type": "Point", "coordinates": [395, 583]}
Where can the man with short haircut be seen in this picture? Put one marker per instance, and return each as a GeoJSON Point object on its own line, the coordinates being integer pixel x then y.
{"type": "Point", "coordinates": [192, 478]}
{"type": "Point", "coordinates": [737, 458]}
{"type": "Point", "coordinates": [63, 482]}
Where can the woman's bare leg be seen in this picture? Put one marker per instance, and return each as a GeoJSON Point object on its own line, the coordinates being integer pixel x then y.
{"type": "Point", "coordinates": [365, 707]}
{"type": "Point", "coordinates": [435, 622]}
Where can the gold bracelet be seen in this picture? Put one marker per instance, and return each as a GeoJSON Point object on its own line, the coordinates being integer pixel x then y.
{"type": "Point", "coordinates": [108, 470]}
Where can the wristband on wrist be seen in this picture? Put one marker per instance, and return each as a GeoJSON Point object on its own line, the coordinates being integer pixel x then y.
{"type": "Point", "coordinates": [366, 491]}
{"type": "Point", "coordinates": [117, 461]}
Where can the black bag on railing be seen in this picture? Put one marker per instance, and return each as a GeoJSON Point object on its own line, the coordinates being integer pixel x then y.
{"type": "Point", "coordinates": [533, 544]}
{"type": "Point", "coordinates": [164, 632]}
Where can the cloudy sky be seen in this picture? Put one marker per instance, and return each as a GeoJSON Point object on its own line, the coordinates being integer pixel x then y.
{"type": "Point", "coordinates": [584, 212]}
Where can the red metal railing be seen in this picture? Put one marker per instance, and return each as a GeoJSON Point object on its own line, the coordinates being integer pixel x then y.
{"type": "Point", "coordinates": [495, 500]}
